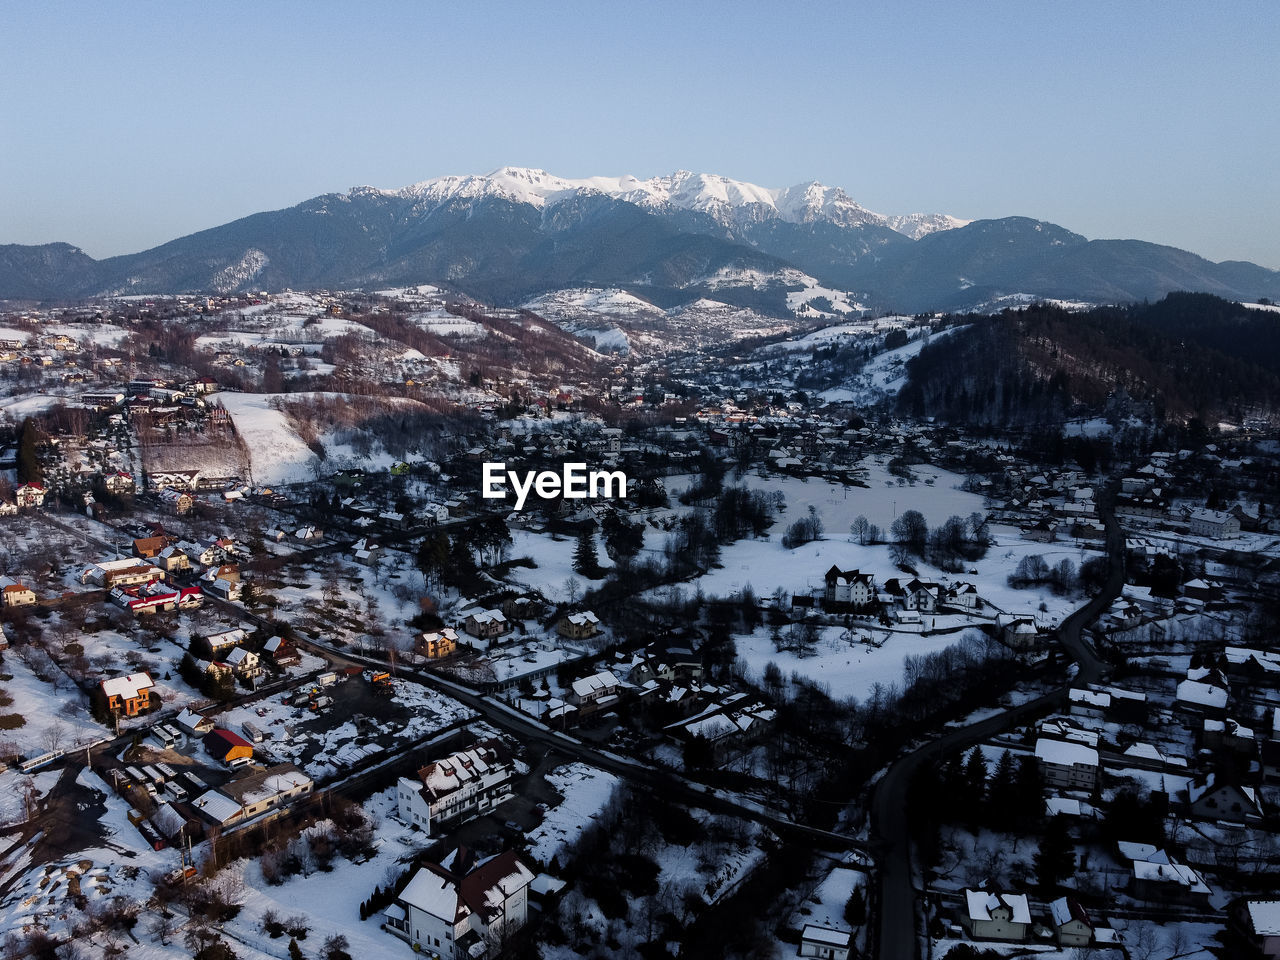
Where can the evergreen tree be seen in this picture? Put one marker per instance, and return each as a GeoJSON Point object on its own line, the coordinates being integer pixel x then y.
{"type": "Point", "coordinates": [585, 561]}
{"type": "Point", "coordinates": [28, 463]}
{"type": "Point", "coordinates": [295, 951]}
{"type": "Point", "coordinates": [1056, 858]}
{"type": "Point", "coordinates": [433, 555]}
{"type": "Point", "coordinates": [1029, 791]}
{"type": "Point", "coordinates": [975, 786]}
{"type": "Point", "coordinates": [855, 911]}
{"type": "Point", "coordinates": [1002, 795]}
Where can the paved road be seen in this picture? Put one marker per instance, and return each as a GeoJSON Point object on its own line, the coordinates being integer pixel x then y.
{"type": "Point", "coordinates": [658, 781]}
{"type": "Point", "coordinates": [898, 938]}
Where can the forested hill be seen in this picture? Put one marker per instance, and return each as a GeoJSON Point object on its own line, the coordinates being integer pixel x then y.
{"type": "Point", "coordinates": [1188, 355]}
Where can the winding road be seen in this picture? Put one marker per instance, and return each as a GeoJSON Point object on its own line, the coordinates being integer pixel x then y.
{"type": "Point", "coordinates": [898, 938]}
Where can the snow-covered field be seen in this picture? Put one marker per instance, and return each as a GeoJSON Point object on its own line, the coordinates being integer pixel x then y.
{"type": "Point", "coordinates": [847, 669]}
{"type": "Point", "coordinates": [766, 565]}
{"type": "Point", "coordinates": [26, 406]}
{"type": "Point", "coordinates": [277, 454]}
{"type": "Point", "coordinates": [554, 559]}
{"type": "Point", "coordinates": [586, 790]}
{"type": "Point", "coordinates": [14, 788]}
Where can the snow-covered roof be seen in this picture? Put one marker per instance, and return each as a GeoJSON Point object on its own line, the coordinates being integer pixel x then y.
{"type": "Point", "coordinates": [981, 903]}
{"type": "Point", "coordinates": [1091, 698]}
{"type": "Point", "coordinates": [587, 686]}
{"type": "Point", "coordinates": [126, 688]}
{"type": "Point", "coordinates": [217, 806]}
{"type": "Point", "coordinates": [1202, 694]}
{"type": "Point", "coordinates": [1173, 873]}
{"type": "Point", "coordinates": [168, 820]}
{"type": "Point", "coordinates": [271, 782]}
{"type": "Point", "coordinates": [1264, 915]}
{"type": "Point", "coordinates": [1066, 806]}
{"type": "Point", "coordinates": [1141, 851]}
{"type": "Point", "coordinates": [432, 894]}
{"type": "Point", "coordinates": [825, 936]}
{"type": "Point", "coordinates": [447, 775]}
{"type": "Point", "coordinates": [1065, 754]}
{"type": "Point", "coordinates": [1065, 909]}
{"type": "Point", "coordinates": [240, 655]}
{"type": "Point", "coordinates": [191, 720]}
{"type": "Point", "coordinates": [1210, 516]}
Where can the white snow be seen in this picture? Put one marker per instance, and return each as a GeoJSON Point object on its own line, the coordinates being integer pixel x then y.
{"type": "Point", "coordinates": [586, 790]}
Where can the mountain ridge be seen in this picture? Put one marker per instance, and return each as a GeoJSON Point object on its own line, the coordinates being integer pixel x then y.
{"type": "Point", "coordinates": [512, 235]}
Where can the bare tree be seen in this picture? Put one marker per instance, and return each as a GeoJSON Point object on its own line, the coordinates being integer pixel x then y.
{"type": "Point", "coordinates": [54, 736]}
{"type": "Point", "coordinates": [860, 527]}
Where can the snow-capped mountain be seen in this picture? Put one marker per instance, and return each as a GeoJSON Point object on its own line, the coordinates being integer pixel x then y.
{"type": "Point", "coordinates": [728, 201]}
{"type": "Point", "coordinates": [509, 236]}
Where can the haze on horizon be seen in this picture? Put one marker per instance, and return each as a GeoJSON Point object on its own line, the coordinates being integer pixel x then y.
{"type": "Point", "coordinates": [127, 126]}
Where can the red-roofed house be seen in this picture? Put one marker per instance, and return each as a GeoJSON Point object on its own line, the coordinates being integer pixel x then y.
{"type": "Point", "coordinates": [227, 746]}
{"type": "Point", "coordinates": [29, 495]}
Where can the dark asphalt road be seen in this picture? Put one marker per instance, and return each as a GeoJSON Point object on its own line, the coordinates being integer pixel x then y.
{"type": "Point", "coordinates": [898, 939]}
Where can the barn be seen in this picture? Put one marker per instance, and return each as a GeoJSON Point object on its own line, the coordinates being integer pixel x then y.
{"type": "Point", "coordinates": [227, 746]}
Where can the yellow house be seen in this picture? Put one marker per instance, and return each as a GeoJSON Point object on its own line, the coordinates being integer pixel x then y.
{"type": "Point", "coordinates": [438, 644]}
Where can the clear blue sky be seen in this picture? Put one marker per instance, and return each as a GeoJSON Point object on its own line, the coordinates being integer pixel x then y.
{"type": "Point", "coordinates": [123, 125]}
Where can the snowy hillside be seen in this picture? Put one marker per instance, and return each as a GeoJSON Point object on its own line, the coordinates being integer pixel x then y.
{"type": "Point", "coordinates": [614, 320]}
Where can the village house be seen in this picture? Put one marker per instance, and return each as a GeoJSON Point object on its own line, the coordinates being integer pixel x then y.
{"type": "Point", "coordinates": [1212, 800]}
{"type": "Point", "coordinates": [177, 501]}
{"type": "Point", "coordinates": [1201, 698]}
{"type": "Point", "coordinates": [725, 724]}
{"type": "Point", "coordinates": [1071, 925]}
{"type": "Point", "coordinates": [1066, 765]}
{"type": "Point", "coordinates": [148, 548]}
{"type": "Point", "coordinates": [128, 696]}
{"type": "Point", "coordinates": [1213, 524]}
{"type": "Point", "coordinates": [457, 788]}
{"type": "Point", "coordinates": [15, 594]}
{"type": "Point", "coordinates": [917, 595]}
{"type": "Point", "coordinates": [266, 789]}
{"type": "Point", "coordinates": [965, 596]}
{"type": "Point", "coordinates": [245, 664]}
{"type": "Point", "coordinates": [29, 496]}
{"type": "Point", "coordinates": [848, 589]}
{"type": "Point", "coordinates": [1168, 882]}
{"type": "Point", "coordinates": [578, 626]}
{"type": "Point", "coordinates": [171, 560]}
{"type": "Point", "coordinates": [438, 643]}
{"type": "Point", "coordinates": [487, 624]}
{"type": "Point", "coordinates": [996, 916]}
{"type": "Point", "coordinates": [462, 907]}
{"type": "Point", "coordinates": [596, 692]}
{"type": "Point", "coordinates": [1258, 920]}
{"type": "Point", "coordinates": [193, 722]}
{"type": "Point", "coordinates": [816, 941]}
{"type": "Point", "coordinates": [281, 652]}
{"type": "Point", "coordinates": [217, 645]}
{"type": "Point", "coordinates": [226, 589]}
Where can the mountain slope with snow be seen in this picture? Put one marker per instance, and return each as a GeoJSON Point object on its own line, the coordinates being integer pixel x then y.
{"type": "Point", "coordinates": [726, 200]}
{"type": "Point", "coordinates": [512, 235]}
